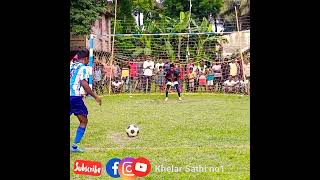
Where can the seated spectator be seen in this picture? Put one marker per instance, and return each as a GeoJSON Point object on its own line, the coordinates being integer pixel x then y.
{"type": "Point", "coordinates": [228, 85]}
{"type": "Point", "coordinates": [116, 86]}
{"type": "Point", "coordinates": [243, 85]}
{"type": "Point", "coordinates": [237, 85]}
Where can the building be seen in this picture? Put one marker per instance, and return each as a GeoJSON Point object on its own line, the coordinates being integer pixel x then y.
{"type": "Point", "coordinates": [101, 28]}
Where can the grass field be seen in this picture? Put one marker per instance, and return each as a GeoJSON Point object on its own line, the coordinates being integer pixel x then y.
{"type": "Point", "coordinates": [202, 130]}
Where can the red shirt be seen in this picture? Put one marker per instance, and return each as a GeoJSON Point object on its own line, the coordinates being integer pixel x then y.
{"type": "Point", "coordinates": [133, 69]}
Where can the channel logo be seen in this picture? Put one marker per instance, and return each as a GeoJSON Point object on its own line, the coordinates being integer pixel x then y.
{"type": "Point", "coordinates": [92, 168]}
{"type": "Point", "coordinates": [126, 168]}
{"type": "Point", "coordinates": [142, 167]}
{"type": "Point", "coordinates": [112, 167]}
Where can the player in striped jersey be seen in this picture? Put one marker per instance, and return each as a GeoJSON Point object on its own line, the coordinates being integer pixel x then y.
{"type": "Point", "coordinates": [78, 78]}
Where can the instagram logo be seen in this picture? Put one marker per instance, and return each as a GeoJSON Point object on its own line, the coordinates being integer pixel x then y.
{"type": "Point", "coordinates": [126, 168]}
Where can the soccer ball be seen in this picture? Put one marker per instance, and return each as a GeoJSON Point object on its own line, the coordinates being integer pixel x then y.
{"type": "Point", "coordinates": [132, 130]}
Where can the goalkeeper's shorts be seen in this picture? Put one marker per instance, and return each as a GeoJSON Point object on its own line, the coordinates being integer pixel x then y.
{"type": "Point", "coordinates": [172, 84]}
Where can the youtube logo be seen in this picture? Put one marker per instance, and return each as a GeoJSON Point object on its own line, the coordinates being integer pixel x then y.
{"type": "Point", "coordinates": [142, 167]}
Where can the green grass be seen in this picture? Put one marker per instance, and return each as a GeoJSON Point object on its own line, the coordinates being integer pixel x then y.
{"type": "Point", "coordinates": [202, 130]}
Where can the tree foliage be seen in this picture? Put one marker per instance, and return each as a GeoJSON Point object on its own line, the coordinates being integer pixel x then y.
{"type": "Point", "coordinates": [83, 13]}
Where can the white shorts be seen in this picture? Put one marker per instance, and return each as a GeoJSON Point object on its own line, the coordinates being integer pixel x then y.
{"type": "Point", "coordinates": [210, 82]}
{"type": "Point", "coordinates": [172, 84]}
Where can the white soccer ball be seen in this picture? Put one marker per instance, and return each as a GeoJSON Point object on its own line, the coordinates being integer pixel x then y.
{"type": "Point", "coordinates": [132, 130]}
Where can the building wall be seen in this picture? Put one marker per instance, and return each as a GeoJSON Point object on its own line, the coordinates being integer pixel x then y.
{"type": "Point", "coordinates": [102, 41]}
{"type": "Point", "coordinates": [102, 30]}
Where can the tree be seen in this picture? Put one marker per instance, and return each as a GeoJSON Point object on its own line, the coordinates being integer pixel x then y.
{"type": "Point", "coordinates": [83, 13]}
{"type": "Point", "coordinates": [174, 7]}
{"type": "Point", "coordinates": [199, 48]}
{"type": "Point", "coordinates": [180, 27]}
{"type": "Point", "coordinates": [200, 8]}
{"type": "Point", "coordinates": [208, 9]}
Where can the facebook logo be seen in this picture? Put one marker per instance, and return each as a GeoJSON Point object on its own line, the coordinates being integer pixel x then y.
{"type": "Point", "coordinates": [112, 167]}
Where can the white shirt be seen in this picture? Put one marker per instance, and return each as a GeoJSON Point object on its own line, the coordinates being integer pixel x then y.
{"type": "Point", "coordinates": [116, 84]}
{"type": "Point", "coordinates": [148, 71]}
{"type": "Point", "coordinates": [235, 82]}
{"type": "Point", "coordinates": [158, 65]}
{"type": "Point", "coordinates": [247, 70]}
{"type": "Point", "coordinates": [229, 83]}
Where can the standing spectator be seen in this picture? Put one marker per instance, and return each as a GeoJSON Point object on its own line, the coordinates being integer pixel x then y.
{"type": "Point", "coordinates": [247, 70]}
{"type": "Point", "coordinates": [107, 72]}
{"type": "Point", "coordinates": [233, 68]}
{"type": "Point", "coordinates": [97, 79]}
{"type": "Point", "coordinates": [225, 68]}
{"type": "Point", "coordinates": [196, 79]}
{"type": "Point", "coordinates": [117, 71]}
{"type": "Point", "coordinates": [210, 78]}
{"type": "Point", "coordinates": [202, 81]}
{"type": "Point", "coordinates": [191, 78]}
{"type": "Point", "coordinates": [166, 66]}
{"type": "Point", "coordinates": [190, 65]}
{"type": "Point", "coordinates": [140, 78]}
{"type": "Point", "coordinates": [157, 66]}
{"type": "Point", "coordinates": [160, 79]}
{"type": "Point", "coordinates": [217, 73]}
{"type": "Point", "coordinates": [202, 66]}
{"type": "Point", "coordinates": [148, 67]}
{"type": "Point", "coordinates": [180, 69]}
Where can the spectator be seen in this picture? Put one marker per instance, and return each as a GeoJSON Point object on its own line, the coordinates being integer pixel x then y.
{"type": "Point", "coordinates": [233, 68]}
{"type": "Point", "coordinates": [191, 78]}
{"type": "Point", "coordinates": [116, 86]}
{"type": "Point", "coordinates": [236, 84]}
{"type": "Point", "coordinates": [160, 79]}
{"type": "Point", "coordinates": [202, 81]}
{"type": "Point", "coordinates": [217, 73]}
{"type": "Point", "coordinates": [210, 79]}
{"type": "Point", "coordinates": [202, 66]}
{"type": "Point", "coordinates": [97, 79]}
{"type": "Point", "coordinates": [125, 77]}
{"type": "Point", "coordinates": [190, 65]}
{"type": "Point", "coordinates": [228, 85]}
{"type": "Point", "coordinates": [166, 66]}
{"type": "Point", "coordinates": [107, 72]}
{"type": "Point", "coordinates": [247, 70]}
{"type": "Point", "coordinates": [196, 79]}
{"type": "Point", "coordinates": [179, 69]}
{"type": "Point", "coordinates": [157, 66]}
{"type": "Point", "coordinates": [148, 67]}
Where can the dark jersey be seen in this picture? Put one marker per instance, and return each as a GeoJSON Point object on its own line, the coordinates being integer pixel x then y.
{"type": "Point", "coordinates": [172, 75]}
